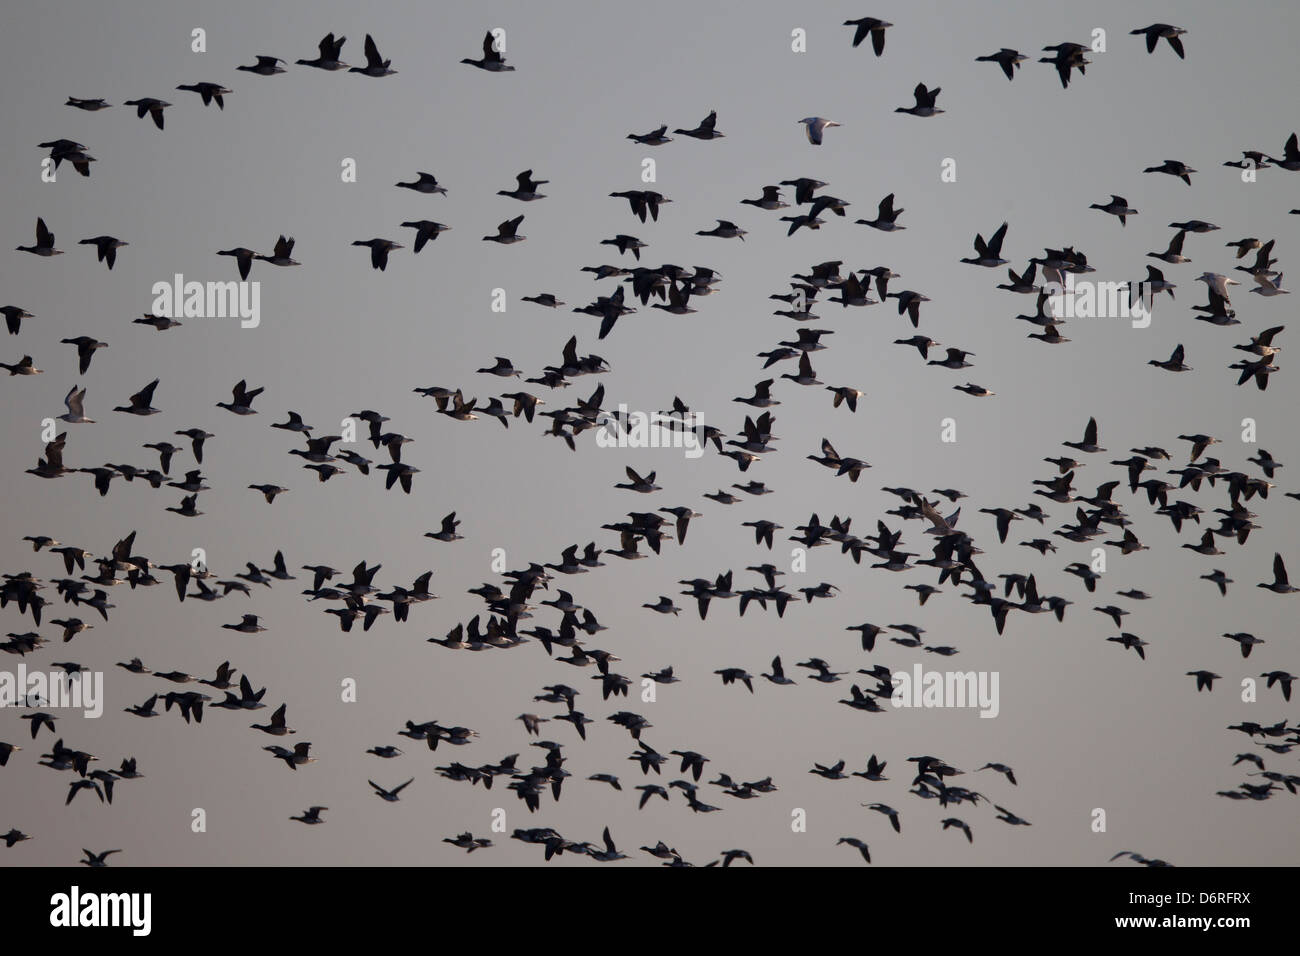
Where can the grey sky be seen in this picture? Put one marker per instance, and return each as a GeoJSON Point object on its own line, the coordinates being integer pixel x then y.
{"type": "Point", "coordinates": [1084, 723]}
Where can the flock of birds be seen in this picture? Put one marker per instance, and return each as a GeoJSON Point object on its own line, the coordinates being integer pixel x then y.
{"type": "Point", "coordinates": [1186, 493]}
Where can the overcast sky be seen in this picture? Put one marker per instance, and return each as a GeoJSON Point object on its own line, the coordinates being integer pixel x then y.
{"type": "Point", "coordinates": [1085, 723]}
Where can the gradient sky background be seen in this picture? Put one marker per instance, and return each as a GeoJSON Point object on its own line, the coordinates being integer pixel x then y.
{"type": "Point", "coordinates": [1084, 723]}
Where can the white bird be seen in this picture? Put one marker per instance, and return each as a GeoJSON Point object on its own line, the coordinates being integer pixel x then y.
{"type": "Point", "coordinates": [1270, 287]}
{"type": "Point", "coordinates": [76, 413]}
{"type": "Point", "coordinates": [1218, 283]}
{"type": "Point", "coordinates": [814, 125]}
